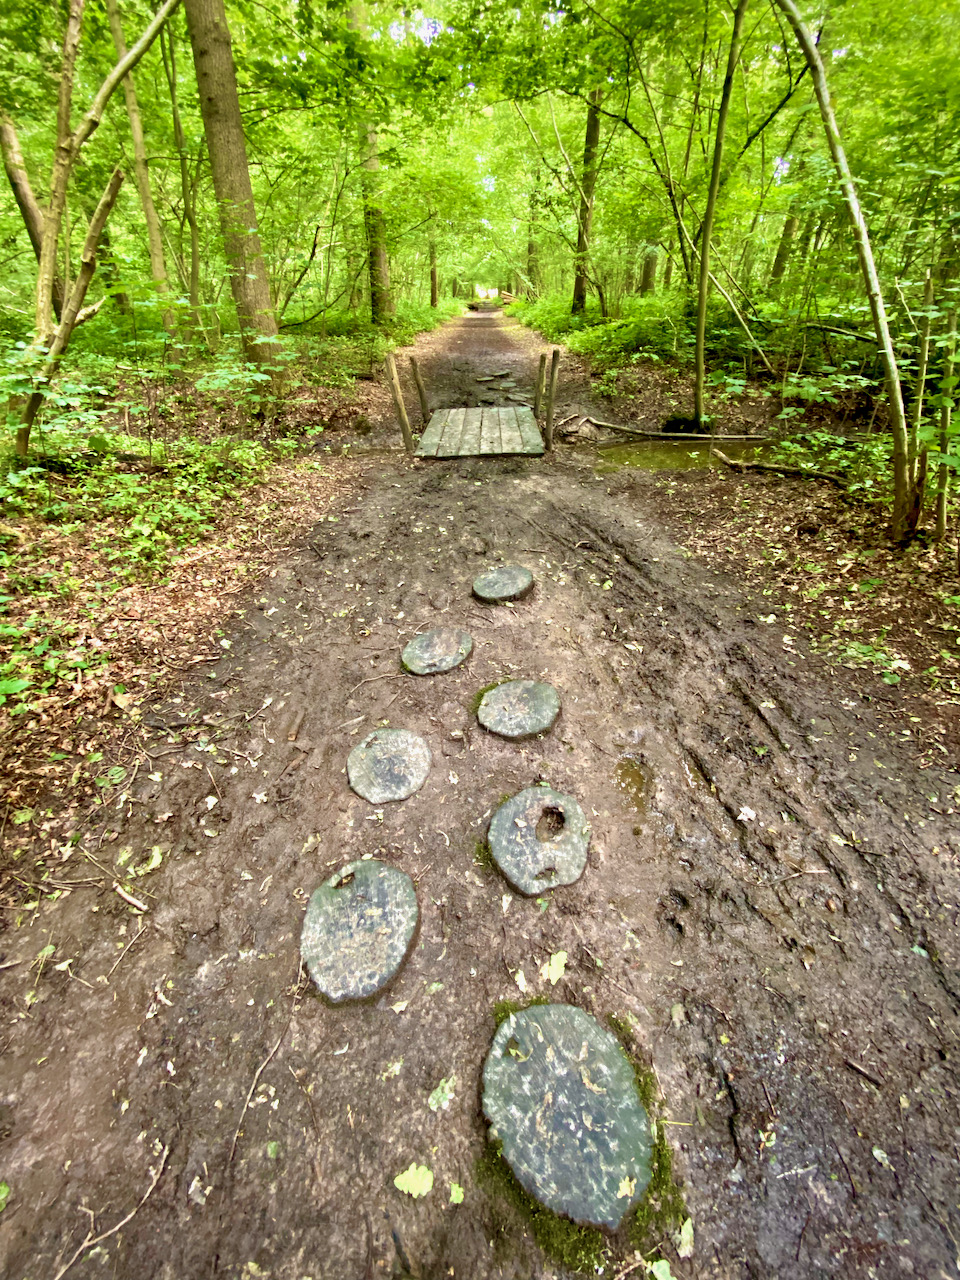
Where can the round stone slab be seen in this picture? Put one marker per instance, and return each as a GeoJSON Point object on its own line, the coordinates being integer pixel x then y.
{"type": "Point", "coordinates": [534, 862]}
{"type": "Point", "coordinates": [358, 929]}
{"type": "Point", "coordinates": [519, 709]}
{"type": "Point", "coordinates": [509, 582]}
{"type": "Point", "coordinates": [562, 1098]}
{"type": "Point", "coordinates": [389, 764]}
{"type": "Point", "coordinates": [436, 651]}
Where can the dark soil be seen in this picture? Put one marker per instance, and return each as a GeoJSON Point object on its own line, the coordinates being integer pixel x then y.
{"type": "Point", "coordinates": [770, 906]}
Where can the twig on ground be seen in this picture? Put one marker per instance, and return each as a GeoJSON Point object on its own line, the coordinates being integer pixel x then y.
{"type": "Point", "coordinates": [143, 930]}
{"type": "Point", "coordinates": [253, 1084]}
{"type": "Point", "coordinates": [128, 897]}
{"type": "Point", "coordinates": [393, 675]}
{"type": "Point", "coordinates": [781, 471]}
{"type": "Point", "coordinates": [90, 1240]}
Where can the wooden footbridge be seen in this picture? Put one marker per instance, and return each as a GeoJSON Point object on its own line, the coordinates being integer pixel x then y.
{"type": "Point", "coordinates": [473, 433]}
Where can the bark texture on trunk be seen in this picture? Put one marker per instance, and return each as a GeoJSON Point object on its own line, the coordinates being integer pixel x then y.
{"type": "Point", "coordinates": [902, 496]}
{"type": "Point", "coordinates": [784, 249]}
{"type": "Point", "coordinates": [706, 229]}
{"type": "Point", "coordinates": [141, 171]}
{"type": "Point", "coordinates": [226, 146]}
{"type": "Point", "coordinates": [648, 281]}
{"type": "Point", "coordinates": [588, 186]}
{"type": "Point", "coordinates": [434, 278]}
{"type": "Point", "coordinates": [30, 211]}
{"type": "Point", "coordinates": [378, 260]}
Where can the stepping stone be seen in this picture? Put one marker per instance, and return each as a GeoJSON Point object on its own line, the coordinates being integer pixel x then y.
{"type": "Point", "coordinates": [508, 582]}
{"type": "Point", "coordinates": [561, 1096]}
{"type": "Point", "coordinates": [519, 709]}
{"type": "Point", "coordinates": [358, 929]}
{"type": "Point", "coordinates": [389, 764]}
{"type": "Point", "coordinates": [508, 385]}
{"type": "Point", "coordinates": [534, 861]}
{"type": "Point", "coordinates": [435, 651]}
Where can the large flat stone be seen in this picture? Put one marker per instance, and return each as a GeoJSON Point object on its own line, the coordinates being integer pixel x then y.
{"type": "Point", "coordinates": [389, 764]}
{"type": "Point", "coordinates": [532, 862]}
{"type": "Point", "coordinates": [507, 582]}
{"type": "Point", "coordinates": [519, 709]}
{"type": "Point", "coordinates": [358, 929]}
{"type": "Point", "coordinates": [436, 651]}
{"type": "Point", "coordinates": [561, 1096]}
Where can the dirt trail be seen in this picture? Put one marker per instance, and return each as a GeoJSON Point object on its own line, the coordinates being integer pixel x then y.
{"type": "Point", "coordinates": [775, 915]}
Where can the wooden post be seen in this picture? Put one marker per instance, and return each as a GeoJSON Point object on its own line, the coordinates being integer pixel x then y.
{"type": "Point", "coordinates": [398, 404]}
{"type": "Point", "coordinates": [538, 397]}
{"type": "Point", "coordinates": [421, 390]}
{"type": "Point", "coordinates": [551, 396]}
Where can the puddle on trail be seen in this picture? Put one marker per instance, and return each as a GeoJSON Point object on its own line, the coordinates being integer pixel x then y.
{"type": "Point", "coordinates": [633, 778]}
{"type": "Point", "coordinates": [667, 455]}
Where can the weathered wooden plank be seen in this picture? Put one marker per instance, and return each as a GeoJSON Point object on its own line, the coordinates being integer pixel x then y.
{"type": "Point", "coordinates": [490, 431]}
{"type": "Point", "coordinates": [511, 441]}
{"type": "Point", "coordinates": [449, 446]}
{"type": "Point", "coordinates": [470, 439]}
{"type": "Point", "coordinates": [530, 432]}
{"type": "Point", "coordinates": [432, 436]}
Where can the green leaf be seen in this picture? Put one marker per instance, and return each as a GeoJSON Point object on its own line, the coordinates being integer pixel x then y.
{"type": "Point", "coordinates": [4, 1195]}
{"type": "Point", "coordinates": [456, 1193]}
{"type": "Point", "coordinates": [552, 971]}
{"type": "Point", "coordinates": [273, 1150]}
{"type": "Point", "coordinates": [685, 1242]}
{"type": "Point", "coordinates": [442, 1095]}
{"type": "Point", "coordinates": [660, 1270]}
{"type": "Point", "coordinates": [416, 1181]}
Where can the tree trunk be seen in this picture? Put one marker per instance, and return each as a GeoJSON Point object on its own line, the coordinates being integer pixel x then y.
{"type": "Point", "coordinates": [903, 498]}
{"type": "Point", "coordinates": [30, 210]}
{"type": "Point", "coordinates": [188, 188]}
{"type": "Point", "coordinates": [226, 147]}
{"type": "Point", "coordinates": [948, 392]}
{"type": "Point", "coordinates": [378, 261]}
{"type": "Point", "coordinates": [648, 280]}
{"type": "Point", "coordinates": [434, 279]}
{"type": "Point", "coordinates": [784, 249]}
{"type": "Point", "coordinates": [588, 186]}
{"type": "Point", "coordinates": [71, 309]}
{"type": "Point", "coordinates": [158, 269]}
{"type": "Point", "coordinates": [706, 230]}
{"type": "Point", "coordinates": [668, 273]}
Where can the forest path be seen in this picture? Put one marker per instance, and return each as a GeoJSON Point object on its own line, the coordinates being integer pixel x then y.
{"type": "Point", "coordinates": [769, 904]}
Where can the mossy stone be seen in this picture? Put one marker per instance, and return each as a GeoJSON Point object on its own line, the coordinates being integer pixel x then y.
{"type": "Point", "coordinates": [519, 709]}
{"type": "Point", "coordinates": [436, 651]}
{"type": "Point", "coordinates": [507, 582]}
{"type": "Point", "coordinates": [389, 764]}
{"type": "Point", "coordinates": [534, 862]}
{"type": "Point", "coordinates": [358, 929]}
{"type": "Point", "coordinates": [561, 1096]}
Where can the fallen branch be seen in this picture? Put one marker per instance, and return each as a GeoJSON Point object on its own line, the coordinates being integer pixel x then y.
{"type": "Point", "coordinates": [253, 1084]}
{"type": "Point", "coordinates": [778, 470]}
{"type": "Point", "coordinates": [665, 435]}
{"type": "Point", "coordinates": [91, 1240]}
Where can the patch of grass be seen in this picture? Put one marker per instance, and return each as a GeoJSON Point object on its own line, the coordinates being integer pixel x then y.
{"type": "Point", "coordinates": [482, 857]}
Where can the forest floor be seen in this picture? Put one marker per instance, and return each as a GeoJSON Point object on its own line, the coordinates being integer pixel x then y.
{"type": "Point", "coordinates": [769, 909]}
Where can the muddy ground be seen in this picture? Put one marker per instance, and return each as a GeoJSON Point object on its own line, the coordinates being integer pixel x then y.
{"type": "Point", "coordinates": [770, 907]}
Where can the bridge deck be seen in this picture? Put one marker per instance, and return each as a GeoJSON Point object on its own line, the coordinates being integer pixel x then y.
{"type": "Point", "coordinates": [471, 433]}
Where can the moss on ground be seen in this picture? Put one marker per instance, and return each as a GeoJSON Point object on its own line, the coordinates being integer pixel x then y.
{"type": "Point", "coordinates": [479, 696]}
{"type": "Point", "coordinates": [482, 857]}
{"type": "Point", "coordinates": [588, 1250]}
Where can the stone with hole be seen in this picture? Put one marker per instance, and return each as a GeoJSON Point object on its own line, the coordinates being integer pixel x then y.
{"type": "Point", "coordinates": [519, 709]}
{"type": "Point", "coordinates": [436, 651]}
{"type": "Point", "coordinates": [389, 764]}
{"type": "Point", "coordinates": [508, 582]}
{"type": "Point", "coordinates": [561, 1096]}
{"type": "Point", "coordinates": [358, 929]}
{"type": "Point", "coordinates": [539, 840]}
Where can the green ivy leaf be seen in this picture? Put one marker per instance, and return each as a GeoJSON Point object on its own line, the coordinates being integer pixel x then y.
{"type": "Point", "coordinates": [416, 1181]}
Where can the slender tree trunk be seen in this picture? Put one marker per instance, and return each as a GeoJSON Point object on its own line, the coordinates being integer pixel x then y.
{"type": "Point", "coordinates": [668, 273]}
{"type": "Point", "coordinates": [588, 186]}
{"type": "Point", "coordinates": [948, 388]}
{"type": "Point", "coordinates": [71, 309]}
{"type": "Point", "coordinates": [158, 269]}
{"type": "Point", "coordinates": [188, 186]}
{"type": "Point", "coordinates": [226, 147]}
{"type": "Point", "coordinates": [648, 279]}
{"type": "Point", "coordinates": [784, 249]}
{"type": "Point", "coordinates": [378, 260]}
{"type": "Point", "coordinates": [434, 279]}
{"type": "Point", "coordinates": [902, 498]}
{"type": "Point", "coordinates": [30, 211]}
{"type": "Point", "coordinates": [706, 229]}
